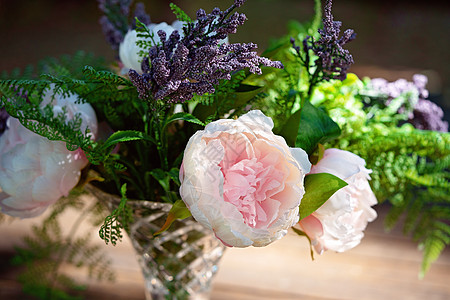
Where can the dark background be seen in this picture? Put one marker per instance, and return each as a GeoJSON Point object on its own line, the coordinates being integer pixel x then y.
{"type": "Point", "coordinates": [394, 38]}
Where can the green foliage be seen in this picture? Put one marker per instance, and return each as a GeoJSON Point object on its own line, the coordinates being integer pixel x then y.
{"type": "Point", "coordinates": [119, 219]}
{"type": "Point", "coordinates": [125, 136]}
{"type": "Point", "coordinates": [146, 38]}
{"type": "Point", "coordinates": [230, 97]}
{"type": "Point", "coordinates": [178, 211]}
{"type": "Point", "coordinates": [411, 167]}
{"type": "Point", "coordinates": [184, 117]}
{"type": "Point", "coordinates": [180, 14]}
{"type": "Point", "coordinates": [49, 247]}
{"type": "Point", "coordinates": [316, 127]}
{"type": "Point", "coordinates": [318, 189]}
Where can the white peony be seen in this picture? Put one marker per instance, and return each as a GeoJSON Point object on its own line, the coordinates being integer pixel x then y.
{"type": "Point", "coordinates": [34, 171]}
{"type": "Point", "coordinates": [339, 223]}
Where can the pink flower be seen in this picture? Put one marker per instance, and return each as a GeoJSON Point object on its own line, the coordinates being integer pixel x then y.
{"type": "Point", "coordinates": [242, 181]}
{"type": "Point", "coordinates": [339, 223]}
{"type": "Point", "coordinates": [34, 171]}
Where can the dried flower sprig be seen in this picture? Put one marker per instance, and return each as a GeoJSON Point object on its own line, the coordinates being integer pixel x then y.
{"type": "Point", "coordinates": [332, 60]}
{"type": "Point", "coordinates": [179, 67]}
{"type": "Point", "coordinates": [115, 23]}
{"type": "Point", "coordinates": [420, 112]}
{"type": "Point", "coordinates": [429, 116]}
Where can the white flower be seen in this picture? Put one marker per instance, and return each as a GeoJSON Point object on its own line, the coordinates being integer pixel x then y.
{"type": "Point", "coordinates": [242, 181]}
{"type": "Point", "coordinates": [339, 223]}
{"type": "Point", "coordinates": [34, 171]}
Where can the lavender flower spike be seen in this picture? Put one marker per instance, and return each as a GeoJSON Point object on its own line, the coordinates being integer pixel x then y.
{"type": "Point", "coordinates": [114, 22]}
{"type": "Point", "coordinates": [333, 58]}
{"type": "Point", "coordinates": [180, 67]}
{"type": "Point", "coordinates": [428, 116]}
{"type": "Point", "coordinates": [239, 3]}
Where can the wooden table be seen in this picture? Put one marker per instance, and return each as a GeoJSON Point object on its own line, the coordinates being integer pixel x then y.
{"type": "Point", "coordinates": [383, 266]}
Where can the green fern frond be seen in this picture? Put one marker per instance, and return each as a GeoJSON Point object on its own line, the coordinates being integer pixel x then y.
{"type": "Point", "coordinates": [179, 13]}
{"type": "Point", "coordinates": [433, 246]}
{"type": "Point", "coordinates": [119, 219]}
{"type": "Point", "coordinates": [48, 247]}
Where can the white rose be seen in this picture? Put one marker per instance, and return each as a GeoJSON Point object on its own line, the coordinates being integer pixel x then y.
{"type": "Point", "coordinates": [339, 223]}
{"type": "Point", "coordinates": [34, 171]}
{"type": "Point", "coordinates": [242, 181]}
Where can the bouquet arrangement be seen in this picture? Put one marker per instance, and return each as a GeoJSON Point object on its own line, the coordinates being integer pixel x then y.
{"type": "Point", "coordinates": [241, 145]}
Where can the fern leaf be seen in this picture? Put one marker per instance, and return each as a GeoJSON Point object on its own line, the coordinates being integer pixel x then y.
{"type": "Point", "coordinates": [180, 14]}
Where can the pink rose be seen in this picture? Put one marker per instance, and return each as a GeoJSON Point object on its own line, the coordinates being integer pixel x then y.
{"type": "Point", "coordinates": [34, 171]}
{"type": "Point", "coordinates": [242, 181]}
{"type": "Point", "coordinates": [339, 223]}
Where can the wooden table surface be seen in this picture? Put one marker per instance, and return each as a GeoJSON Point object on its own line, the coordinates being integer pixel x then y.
{"type": "Point", "coordinates": [383, 266]}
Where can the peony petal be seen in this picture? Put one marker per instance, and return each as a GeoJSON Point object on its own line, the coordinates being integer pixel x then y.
{"type": "Point", "coordinates": [256, 120]}
{"type": "Point", "coordinates": [346, 214]}
{"type": "Point", "coordinates": [301, 157]}
{"type": "Point", "coordinates": [242, 181]}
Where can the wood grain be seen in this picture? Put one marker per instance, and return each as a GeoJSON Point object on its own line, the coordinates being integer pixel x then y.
{"type": "Point", "coordinates": [383, 266]}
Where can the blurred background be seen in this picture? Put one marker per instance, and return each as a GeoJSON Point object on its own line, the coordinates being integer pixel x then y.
{"type": "Point", "coordinates": [395, 38]}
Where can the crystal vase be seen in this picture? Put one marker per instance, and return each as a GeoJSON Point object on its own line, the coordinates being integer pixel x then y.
{"type": "Point", "coordinates": [177, 264]}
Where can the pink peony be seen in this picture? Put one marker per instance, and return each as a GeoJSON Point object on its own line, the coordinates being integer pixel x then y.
{"type": "Point", "coordinates": [339, 223]}
{"type": "Point", "coordinates": [242, 181]}
{"type": "Point", "coordinates": [34, 171]}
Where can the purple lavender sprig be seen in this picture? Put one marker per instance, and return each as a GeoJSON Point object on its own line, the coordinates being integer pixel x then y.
{"type": "Point", "coordinates": [333, 58]}
{"type": "Point", "coordinates": [428, 115]}
{"type": "Point", "coordinates": [141, 15]}
{"type": "Point", "coordinates": [179, 67]}
{"type": "Point", "coordinates": [333, 61]}
{"type": "Point", "coordinates": [115, 22]}
{"type": "Point", "coordinates": [421, 113]}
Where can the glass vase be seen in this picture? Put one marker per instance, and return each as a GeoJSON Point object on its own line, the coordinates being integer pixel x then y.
{"type": "Point", "coordinates": [178, 263]}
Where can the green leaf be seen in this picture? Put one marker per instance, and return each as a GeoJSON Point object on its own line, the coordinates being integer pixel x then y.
{"type": "Point", "coordinates": [245, 93]}
{"type": "Point", "coordinates": [315, 127]}
{"type": "Point", "coordinates": [174, 174]}
{"type": "Point", "coordinates": [126, 136]}
{"type": "Point", "coordinates": [203, 111]}
{"type": "Point", "coordinates": [178, 211]}
{"type": "Point", "coordinates": [318, 189]}
{"type": "Point", "coordinates": [290, 128]}
{"type": "Point", "coordinates": [162, 177]}
{"type": "Point", "coordinates": [185, 117]}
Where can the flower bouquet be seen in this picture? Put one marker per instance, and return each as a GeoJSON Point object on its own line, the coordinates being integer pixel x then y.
{"type": "Point", "coordinates": [195, 144]}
